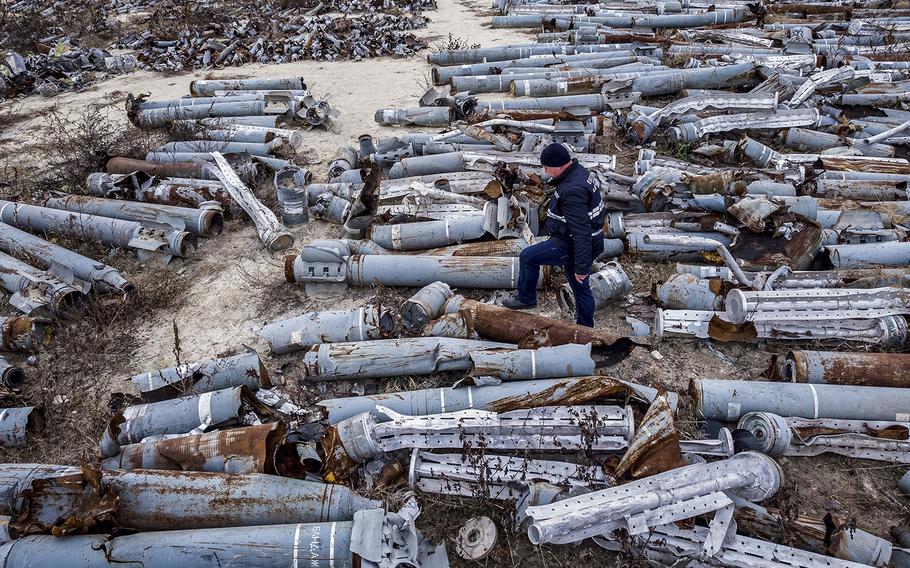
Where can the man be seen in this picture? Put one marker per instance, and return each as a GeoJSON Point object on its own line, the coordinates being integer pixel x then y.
{"type": "Point", "coordinates": [575, 222]}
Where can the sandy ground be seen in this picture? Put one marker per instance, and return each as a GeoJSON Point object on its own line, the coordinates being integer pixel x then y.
{"type": "Point", "coordinates": [218, 314]}
{"type": "Point", "coordinates": [233, 287]}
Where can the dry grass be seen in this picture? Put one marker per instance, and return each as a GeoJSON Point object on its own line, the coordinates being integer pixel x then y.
{"type": "Point", "coordinates": [74, 379]}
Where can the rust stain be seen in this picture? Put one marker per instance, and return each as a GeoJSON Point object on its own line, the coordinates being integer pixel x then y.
{"type": "Point", "coordinates": [761, 251]}
{"type": "Point", "coordinates": [68, 504]}
{"type": "Point", "coordinates": [392, 475]}
{"type": "Point", "coordinates": [854, 165]}
{"type": "Point", "coordinates": [254, 444]}
{"type": "Point", "coordinates": [655, 447]}
{"type": "Point", "coordinates": [120, 165]}
{"type": "Point", "coordinates": [865, 369]}
{"type": "Point", "coordinates": [569, 392]}
{"type": "Point", "coordinates": [337, 464]}
{"type": "Point", "coordinates": [724, 183]}
{"type": "Point", "coordinates": [725, 331]}
{"type": "Point", "coordinates": [510, 326]}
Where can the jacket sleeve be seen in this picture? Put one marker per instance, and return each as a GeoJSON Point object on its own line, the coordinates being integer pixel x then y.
{"type": "Point", "coordinates": [575, 208]}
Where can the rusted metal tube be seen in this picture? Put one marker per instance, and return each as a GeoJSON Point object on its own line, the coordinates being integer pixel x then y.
{"type": "Point", "coordinates": [216, 409]}
{"type": "Point", "coordinates": [163, 500]}
{"type": "Point", "coordinates": [851, 368]}
{"type": "Point", "coordinates": [251, 449]}
{"type": "Point", "coordinates": [185, 169]}
{"type": "Point", "coordinates": [502, 324]}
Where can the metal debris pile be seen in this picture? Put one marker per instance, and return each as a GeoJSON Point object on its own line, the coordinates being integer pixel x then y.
{"type": "Point", "coordinates": [61, 68]}
{"type": "Point", "coordinates": [281, 37]}
{"type": "Point", "coordinates": [171, 36]}
{"type": "Point", "coordinates": [806, 250]}
{"type": "Point", "coordinates": [207, 471]}
{"type": "Point", "coordinates": [791, 247]}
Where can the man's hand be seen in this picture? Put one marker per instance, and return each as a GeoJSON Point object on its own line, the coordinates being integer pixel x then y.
{"type": "Point", "coordinates": [580, 278]}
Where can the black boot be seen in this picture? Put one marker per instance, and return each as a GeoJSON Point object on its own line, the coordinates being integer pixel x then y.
{"type": "Point", "coordinates": [512, 302]}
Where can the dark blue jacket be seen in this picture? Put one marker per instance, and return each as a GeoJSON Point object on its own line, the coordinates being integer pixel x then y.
{"type": "Point", "coordinates": [575, 218]}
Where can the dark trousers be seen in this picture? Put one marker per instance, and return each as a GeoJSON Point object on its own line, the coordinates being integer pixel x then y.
{"type": "Point", "coordinates": [553, 253]}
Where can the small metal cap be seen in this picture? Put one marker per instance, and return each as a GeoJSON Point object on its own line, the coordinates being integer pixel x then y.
{"type": "Point", "coordinates": [476, 538]}
{"type": "Point", "coordinates": [771, 431]}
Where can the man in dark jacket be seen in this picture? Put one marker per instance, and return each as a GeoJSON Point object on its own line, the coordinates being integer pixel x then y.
{"type": "Point", "coordinates": [575, 222]}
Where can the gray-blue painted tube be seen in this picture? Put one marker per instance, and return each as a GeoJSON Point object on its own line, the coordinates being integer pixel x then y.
{"type": "Point", "coordinates": [220, 146]}
{"type": "Point", "coordinates": [499, 398]}
{"type": "Point", "coordinates": [870, 254]}
{"type": "Point", "coordinates": [421, 139]}
{"type": "Point", "coordinates": [596, 103]}
{"type": "Point", "coordinates": [17, 424]}
{"type": "Point", "coordinates": [426, 165]}
{"type": "Point", "coordinates": [706, 49]}
{"type": "Point", "coordinates": [194, 101]}
{"type": "Point", "coordinates": [207, 88]}
{"type": "Point", "coordinates": [248, 136]}
{"type": "Point", "coordinates": [331, 326]}
{"type": "Point", "coordinates": [422, 116]}
{"type": "Point", "coordinates": [717, 17]}
{"type": "Point", "coordinates": [608, 284]}
{"type": "Point", "coordinates": [160, 116]}
{"type": "Point", "coordinates": [176, 416]}
{"type": "Point", "coordinates": [428, 234]}
{"type": "Point", "coordinates": [812, 140]}
{"type": "Point", "coordinates": [383, 358]}
{"type": "Point", "coordinates": [418, 270]}
{"type": "Point", "coordinates": [674, 246]}
{"type": "Point", "coordinates": [64, 263]}
{"type": "Point", "coordinates": [265, 121]}
{"type": "Point", "coordinates": [873, 100]}
{"type": "Point", "coordinates": [505, 53]}
{"type": "Point", "coordinates": [11, 375]}
{"type": "Point", "coordinates": [290, 186]}
{"type": "Point", "coordinates": [427, 304]}
{"type": "Point", "coordinates": [346, 191]}
{"type": "Point", "coordinates": [651, 85]}
{"type": "Point", "coordinates": [310, 545]}
{"type": "Point", "coordinates": [500, 82]}
{"type": "Point", "coordinates": [113, 232]}
{"type": "Point", "coordinates": [17, 477]}
{"type": "Point", "coordinates": [34, 291]}
{"type": "Point", "coordinates": [442, 75]}
{"type": "Point", "coordinates": [433, 148]}
{"type": "Point", "coordinates": [204, 222]}
{"type": "Point", "coordinates": [151, 500]}
{"type": "Point", "coordinates": [649, 82]}
{"type": "Point", "coordinates": [728, 400]}
{"type": "Point", "coordinates": [245, 369]}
